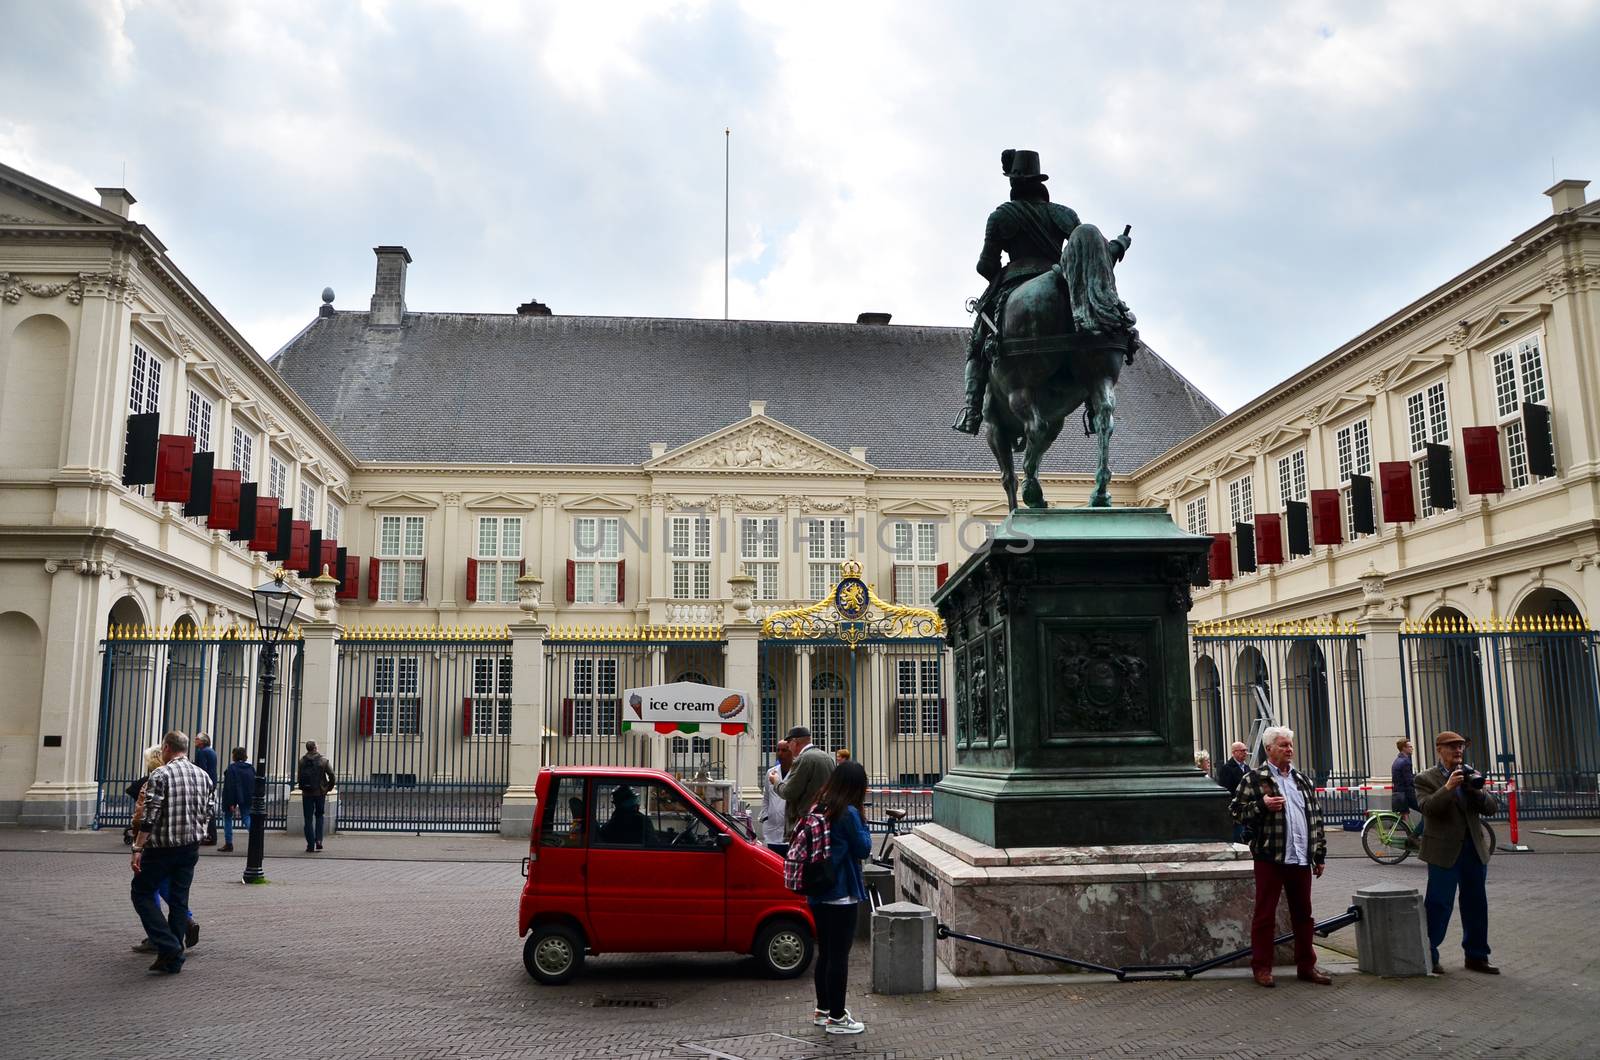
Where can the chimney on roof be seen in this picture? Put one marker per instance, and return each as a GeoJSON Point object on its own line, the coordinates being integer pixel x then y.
{"type": "Point", "coordinates": [872, 318]}
{"type": "Point", "coordinates": [117, 200]}
{"type": "Point", "coordinates": [389, 289]}
{"type": "Point", "coordinates": [533, 309]}
{"type": "Point", "coordinates": [1566, 195]}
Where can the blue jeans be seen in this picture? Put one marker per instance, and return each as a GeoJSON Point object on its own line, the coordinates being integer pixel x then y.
{"type": "Point", "coordinates": [227, 825]}
{"type": "Point", "coordinates": [168, 869]}
{"type": "Point", "coordinates": [1468, 875]}
{"type": "Point", "coordinates": [313, 806]}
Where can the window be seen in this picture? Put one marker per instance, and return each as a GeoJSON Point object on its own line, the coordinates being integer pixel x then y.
{"type": "Point", "coordinates": [399, 558]}
{"type": "Point", "coordinates": [308, 501]}
{"type": "Point", "coordinates": [277, 477]}
{"type": "Point", "coordinates": [828, 692]}
{"type": "Point", "coordinates": [1354, 446]}
{"type": "Point", "coordinates": [200, 421]}
{"type": "Point", "coordinates": [690, 548]}
{"type": "Point", "coordinates": [491, 696]}
{"type": "Point", "coordinates": [1194, 516]}
{"type": "Point", "coordinates": [1518, 378]}
{"type": "Point", "coordinates": [397, 698]}
{"type": "Point", "coordinates": [499, 558]}
{"type": "Point", "coordinates": [1292, 477]}
{"type": "Point", "coordinates": [767, 692]}
{"type": "Point", "coordinates": [330, 528]}
{"type": "Point", "coordinates": [596, 549]}
{"type": "Point", "coordinates": [1241, 500]}
{"type": "Point", "coordinates": [916, 562]}
{"type": "Point", "coordinates": [564, 814]}
{"type": "Point", "coordinates": [594, 697]}
{"type": "Point", "coordinates": [244, 453]}
{"type": "Point", "coordinates": [825, 549]}
{"type": "Point", "coordinates": [1428, 420]}
{"type": "Point", "coordinates": [918, 706]}
{"type": "Point", "coordinates": [758, 553]}
{"type": "Point", "coordinates": [144, 391]}
{"type": "Point", "coordinates": [647, 814]}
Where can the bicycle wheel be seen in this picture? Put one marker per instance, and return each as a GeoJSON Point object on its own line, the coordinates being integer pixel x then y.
{"type": "Point", "coordinates": [1384, 838]}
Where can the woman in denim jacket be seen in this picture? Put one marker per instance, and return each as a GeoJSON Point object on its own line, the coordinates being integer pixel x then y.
{"type": "Point", "coordinates": [836, 910]}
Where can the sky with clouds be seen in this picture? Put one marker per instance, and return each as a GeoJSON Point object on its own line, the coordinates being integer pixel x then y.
{"type": "Point", "coordinates": [1293, 172]}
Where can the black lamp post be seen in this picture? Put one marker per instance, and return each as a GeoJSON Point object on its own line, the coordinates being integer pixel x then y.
{"type": "Point", "coordinates": [276, 605]}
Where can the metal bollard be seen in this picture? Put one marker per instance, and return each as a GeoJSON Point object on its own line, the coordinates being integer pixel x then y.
{"type": "Point", "coordinates": [1392, 934]}
{"type": "Point", "coordinates": [902, 949]}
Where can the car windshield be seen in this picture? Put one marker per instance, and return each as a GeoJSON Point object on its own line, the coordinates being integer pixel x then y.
{"type": "Point", "coordinates": [740, 826]}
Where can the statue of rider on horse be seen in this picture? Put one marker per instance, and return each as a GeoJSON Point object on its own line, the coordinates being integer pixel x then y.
{"type": "Point", "coordinates": [1050, 335]}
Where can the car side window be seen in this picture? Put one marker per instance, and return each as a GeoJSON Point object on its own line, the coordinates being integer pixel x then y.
{"type": "Point", "coordinates": [676, 825]}
{"type": "Point", "coordinates": [619, 817]}
{"type": "Point", "coordinates": [565, 815]}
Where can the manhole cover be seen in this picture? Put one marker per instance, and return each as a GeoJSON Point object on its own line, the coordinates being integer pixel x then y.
{"type": "Point", "coordinates": [631, 1001]}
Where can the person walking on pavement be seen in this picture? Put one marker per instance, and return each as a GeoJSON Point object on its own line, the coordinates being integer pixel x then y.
{"type": "Point", "coordinates": [206, 758]}
{"type": "Point", "coordinates": [238, 788]}
{"type": "Point", "coordinates": [136, 790]}
{"type": "Point", "coordinates": [315, 778]}
{"type": "Point", "coordinates": [811, 770]}
{"type": "Point", "coordinates": [1279, 805]}
{"type": "Point", "coordinates": [772, 808]}
{"type": "Point", "coordinates": [178, 801]}
{"type": "Point", "coordinates": [1453, 800]}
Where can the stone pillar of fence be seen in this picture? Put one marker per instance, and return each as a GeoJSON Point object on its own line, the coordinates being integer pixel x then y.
{"type": "Point", "coordinates": [1381, 687]}
{"type": "Point", "coordinates": [527, 726]}
{"type": "Point", "coordinates": [319, 690]}
{"type": "Point", "coordinates": [740, 672]}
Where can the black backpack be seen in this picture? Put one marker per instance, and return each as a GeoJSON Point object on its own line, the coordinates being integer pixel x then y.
{"type": "Point", "coordinates": [313, 775]}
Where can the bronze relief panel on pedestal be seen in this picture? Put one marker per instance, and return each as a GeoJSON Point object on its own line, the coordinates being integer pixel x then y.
{"type": "Point", "coordinates": [1102, 680]}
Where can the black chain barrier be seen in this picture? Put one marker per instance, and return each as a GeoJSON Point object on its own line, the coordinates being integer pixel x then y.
{"type": "Point", "coordinates": [1137, 973]}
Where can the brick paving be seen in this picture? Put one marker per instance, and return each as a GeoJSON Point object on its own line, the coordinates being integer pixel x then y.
{"type": "Point", "coordinates": [404, 946]}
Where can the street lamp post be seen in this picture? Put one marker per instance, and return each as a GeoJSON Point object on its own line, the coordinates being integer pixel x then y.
{"type": "Point", "coordinates": [276, 605]}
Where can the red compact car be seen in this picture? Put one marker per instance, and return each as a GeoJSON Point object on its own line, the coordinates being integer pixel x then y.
{"type": "Point", "coordinates": [628, 861]}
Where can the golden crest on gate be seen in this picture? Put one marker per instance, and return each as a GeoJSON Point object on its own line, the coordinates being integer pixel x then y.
{"type": "Point", "coordinates": [852, 612]}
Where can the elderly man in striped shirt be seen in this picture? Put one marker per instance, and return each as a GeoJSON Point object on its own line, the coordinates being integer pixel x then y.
{"type": "Point", "coordinates": [179, 802]}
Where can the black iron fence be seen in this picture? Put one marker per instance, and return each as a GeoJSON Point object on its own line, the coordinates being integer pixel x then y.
{"type": "Point", "coordinates": [193, 680]}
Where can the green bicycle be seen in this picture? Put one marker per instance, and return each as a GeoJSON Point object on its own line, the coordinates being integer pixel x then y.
{"type": "Point", "coordinates": [1388, 839]}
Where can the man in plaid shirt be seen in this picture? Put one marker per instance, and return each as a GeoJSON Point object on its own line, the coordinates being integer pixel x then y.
{"type": "Point", "coordinates": [179, 802]}
{"type": "Point", "coordinates": [1279, 805]}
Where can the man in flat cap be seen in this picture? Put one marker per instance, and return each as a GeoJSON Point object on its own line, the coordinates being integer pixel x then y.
{"type": "Point", "coordinates": [1453, 798]}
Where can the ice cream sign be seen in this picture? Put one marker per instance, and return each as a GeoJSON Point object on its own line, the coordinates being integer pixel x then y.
{"type": "Point", "coordinates": [684, 706]}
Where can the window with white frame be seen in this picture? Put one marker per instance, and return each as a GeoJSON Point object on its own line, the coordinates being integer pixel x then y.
{"type": "Point", "coordinates": [1241, 500]}
{"type": "Point", "coordinates": [491, 696]}
{"type": "Point", "coordinates": [1518, 378]}
{"type": "Point", "coordinates": [689, 544]}
{"type": "Point", "coordinates": [244, 453]}
{"type": "Point", "coordinates": [767, 692]}
{"type": "Point", "coordinates": [916, 562]}
{"type": "Point", "coordinates": [400, 543]}
{"type": "Point", "coordinates": [333, 518]}
{"type": "Point", "coordinates": [308, 500]}
{"type": "Point", "coordinates": [828, 694]}
{"type": "Point", "coordinates": [1427, 420]}
{"type": "Point", "coordinates": [825, 549]}
{"type": "Point", "coordinates": [144, 389]}
{"type": "Point", "coordinates": [1195, 518]}
{"type": "Point", "coordinates": [918, 705]}
{"type": "Point", "coordinates": [1292, 477]}
{"type": "Point", "coordinates": [595, 702]}
{"type": "Point", "coordinates": [1353, 443]}
{"type": "Point", "coordinates": [199, 423]}
{"type": "Point", "coordinates": [499, 558]}
{"type": "Point", "coordinates": [758, 553]}
{"type": "Point", "coordinates": [596, 550]}
{"type": "Point", "coordinates": [397, 695]}
{"type": "Point", "coordinates": [277, 477]}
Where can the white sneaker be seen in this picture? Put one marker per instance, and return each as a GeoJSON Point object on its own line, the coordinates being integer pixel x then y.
{"type": "Point", "coordinates": [819, 1017]}
{"type": "Point", "coordinates": [848, 1025]}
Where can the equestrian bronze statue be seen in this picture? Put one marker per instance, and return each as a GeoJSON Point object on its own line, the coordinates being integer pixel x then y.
{"type": "Point", "coordinates": [1051, 335]}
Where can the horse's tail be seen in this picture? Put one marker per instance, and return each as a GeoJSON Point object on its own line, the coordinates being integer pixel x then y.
{"type": "Point", "coordinates": [1092, 284]}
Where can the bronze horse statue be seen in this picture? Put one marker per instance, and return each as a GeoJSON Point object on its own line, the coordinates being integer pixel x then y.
{"type": "Point", "coordinates": [1063, 339]}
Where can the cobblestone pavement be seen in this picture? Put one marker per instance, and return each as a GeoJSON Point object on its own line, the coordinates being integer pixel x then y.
{"type": "Point", "coordinates": [378, 948]}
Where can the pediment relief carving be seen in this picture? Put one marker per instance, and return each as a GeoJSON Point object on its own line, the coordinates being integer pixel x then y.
{"type": "Point", "coordinates": [1341, 405]}
{"type": "Point", "coordinates": [911, 507]}
{"type": "Point", "coordinates": [1233, 462]}
{"type": "Point", "coordinates": [759, 444]}
{"type": "Point", "coordinates": [502, 500]}
{"type": "Point", "coordinates": [1280, 437]}
{"type": "Point", "coordinates": [402, 499]}
{"type": "Point", "coordinates": [1414, 368]}
{"type": "Point", "coordinates": [1502, 323]}
{"type": "Point", "coordinates": [995, 509]}
{"type": "Point", "coordinates": [597, 502]}
{"type": "Point", "coordinates": [156, 326]}
{"type": "Point", "coordinates": [29, 210]}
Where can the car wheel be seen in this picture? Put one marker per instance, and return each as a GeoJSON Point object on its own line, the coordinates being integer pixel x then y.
{"type": "Point", "coordinates": [784, 948]}
{"type": "Point", "coordinates": [553, 953]}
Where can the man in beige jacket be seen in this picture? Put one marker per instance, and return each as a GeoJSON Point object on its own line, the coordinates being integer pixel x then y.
{"type": "Point", "coordinates": [811, 769]}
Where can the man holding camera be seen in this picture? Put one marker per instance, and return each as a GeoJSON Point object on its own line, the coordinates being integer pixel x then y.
{"type": "Point", "coordinates": [1452, 798]}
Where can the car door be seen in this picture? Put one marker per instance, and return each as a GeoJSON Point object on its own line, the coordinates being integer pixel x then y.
{"type": "Point", "coordinates": [657, 870]}
{"type": "Point", "coordinates": [557, 876]}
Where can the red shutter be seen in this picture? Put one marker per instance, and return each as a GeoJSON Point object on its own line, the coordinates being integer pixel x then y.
{"type": "Point", "coordinates": [1269, 539]}
{"type": "Point", "coordinates": [466, 716]}
{"type": "Point", "coordinates": [174, 465]}
{"type": "Point", "coordinates": [373, 567]}
{"type": "Point", "coordinates": [522, 567]}
{"type": "Point", "coordinates": [941, 575]}
{"type": "Point", "coordinates": [472, 581]}
{"type": "Point", "coordinates": [894, 583]}
{"type": "Point", "coordinates": [572, 581]}
{"type": "Point", "coordinates": [620, 580]}
{"type": "Point", "coordinates": [224, 513]}
{"type": "Point", "coordinates": [1394, 481]}
{"type": "Point", "coordinates": [351, 589]}
{"type": "Point", "coordinates": [266, 537]}
{"type": "Point", "coordinates": [424, 578]}
{"type": "Point", "coordinates": [1327, 528]}
{"type": "Point", "coordinates": [566, 713]}
{"type": "Point", "coordinates": [1482, 445]}
{"type": "Point", "coordinates": [1220, 562]}
{"type": "Point", "coordinates": [299, 545]}
{"type": "Point", "coordinates": [369, 708]}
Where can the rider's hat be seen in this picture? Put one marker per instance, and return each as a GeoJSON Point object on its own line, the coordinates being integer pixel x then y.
{"type": "Point", "coordinates": [1021, 165]}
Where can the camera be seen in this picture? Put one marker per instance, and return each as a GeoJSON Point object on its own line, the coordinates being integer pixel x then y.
{"type": "Point", "coordinates": [1471, 778]}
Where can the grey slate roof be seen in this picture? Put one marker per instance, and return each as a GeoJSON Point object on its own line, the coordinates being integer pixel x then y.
{"type": "Point", "coordinates": [494, 388]}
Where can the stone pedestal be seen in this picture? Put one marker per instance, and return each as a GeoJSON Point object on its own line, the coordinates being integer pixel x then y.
{"type": "Point", "coordinates": [1392, 934]}
{"type": "Point", "coordinates": [1111, 905]}
{"type": "Point", "coordinates": [902, 949]}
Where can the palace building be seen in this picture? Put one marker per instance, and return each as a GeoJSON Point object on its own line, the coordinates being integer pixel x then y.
{"type": "Point", "coordinates": [528, 513]}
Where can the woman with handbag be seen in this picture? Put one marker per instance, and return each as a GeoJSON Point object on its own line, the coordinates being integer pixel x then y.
{"type": "Point", "coordinates": [836, 908]}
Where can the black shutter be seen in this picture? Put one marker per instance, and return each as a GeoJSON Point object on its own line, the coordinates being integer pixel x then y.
{"type": "Point", "coordinates": [285, 535]}
{"type": "Point", "coordinates": [314, 556]}
{"type": "Point", "coordinates": [1363, 519]}
{"type": "Point", "coordinates": [1441, 477]}
{"type": "Point", "coordinates": [341, 560]}
{"type": "Point", "coordinates": [199, 502]}
{"type": "Point", "coordinates": [139, 449]}
{"type": "Point", "coordinates": [1299, 527]}
{"type": "Point", "coordinates": [1541, 444]}
{"type": "Point", "coordinates": [1244, 545]}
{"type": "Point", "coordinates": [247, 513]}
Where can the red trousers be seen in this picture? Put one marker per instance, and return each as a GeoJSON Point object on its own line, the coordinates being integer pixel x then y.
{"type": "Point", "coordinates": [1294, 883]}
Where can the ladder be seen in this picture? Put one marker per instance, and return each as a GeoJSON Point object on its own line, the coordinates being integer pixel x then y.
{"type": "Point", "coordinates": [1264, 718]}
